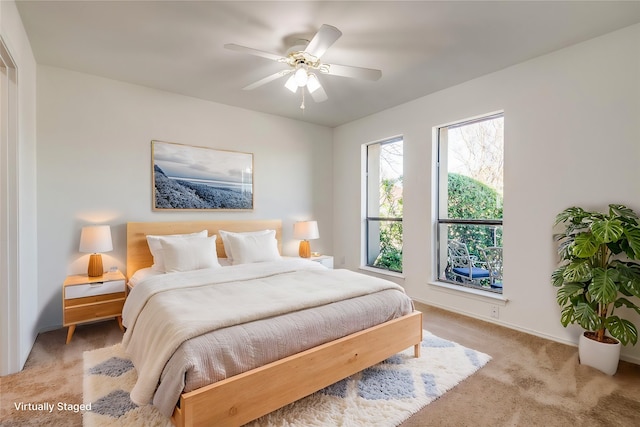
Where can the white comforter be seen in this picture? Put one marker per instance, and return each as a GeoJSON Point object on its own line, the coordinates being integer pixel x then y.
{"type": "Point", "coordinates": [164, 311]}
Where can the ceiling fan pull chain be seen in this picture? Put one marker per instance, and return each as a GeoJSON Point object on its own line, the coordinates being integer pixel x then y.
{"type": "Point", "coordinates": [302, 105]}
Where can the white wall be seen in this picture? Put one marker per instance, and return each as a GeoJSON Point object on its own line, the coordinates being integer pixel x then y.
{"type": "Point", "coordinates": [94, 165]}
{"type": "Point", "coordinates": [18, 297]}
{"type": "Point", "coordinates": [572, 137]}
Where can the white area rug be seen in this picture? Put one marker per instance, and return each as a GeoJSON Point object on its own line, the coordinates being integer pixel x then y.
{"type": "Point", "coordinates": [384, 395]}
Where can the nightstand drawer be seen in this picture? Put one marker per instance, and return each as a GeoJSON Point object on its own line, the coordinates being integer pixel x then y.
{"type": "Point", "coordinates": [88, 312]}
{"type": "Point", "coordinates": [92, 289]}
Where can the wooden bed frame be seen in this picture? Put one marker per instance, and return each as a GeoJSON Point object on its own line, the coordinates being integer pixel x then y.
{"type": "Point", "coordinates": [244, 397]}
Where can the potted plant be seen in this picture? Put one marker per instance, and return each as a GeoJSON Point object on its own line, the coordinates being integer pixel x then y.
{"type": "Point", "coordinates": [597, 274]}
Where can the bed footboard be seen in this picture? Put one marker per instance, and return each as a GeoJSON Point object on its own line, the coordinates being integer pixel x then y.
{"type": "Point", "coordinates": [242, 398]}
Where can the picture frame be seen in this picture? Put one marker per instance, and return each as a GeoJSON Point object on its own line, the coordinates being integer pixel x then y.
{"type": "Point", "coordinates": [186, 177]}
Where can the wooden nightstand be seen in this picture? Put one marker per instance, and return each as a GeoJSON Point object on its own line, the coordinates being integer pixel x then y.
{"type": "Point", "coordinates": [326, 260]}
{"type": "Point", "coordinates": [85, 299]}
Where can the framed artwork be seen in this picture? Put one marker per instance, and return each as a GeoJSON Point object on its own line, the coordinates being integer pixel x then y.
{"type": "Point", "coordinates": [185, 177]}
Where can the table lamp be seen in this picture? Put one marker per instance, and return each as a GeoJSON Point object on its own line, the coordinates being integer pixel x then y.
{"type": "Point", "coordinates": [95, 239]}
{"type": "Point", "coordinates": [305, 231]}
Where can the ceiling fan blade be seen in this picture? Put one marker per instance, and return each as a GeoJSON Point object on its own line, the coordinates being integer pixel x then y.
{"type": "Point", "coordinates": [324, 38]}
{"type": "Point", "coordinates": [353, 72]}
{"type": "Point", "coordinates": [255, 52]}
{"type": "Point", "coordinates": [319, 95]}
{"type": "Point", "coordinates": [267, 79]}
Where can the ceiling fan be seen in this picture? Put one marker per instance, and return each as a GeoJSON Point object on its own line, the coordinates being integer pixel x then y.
{"type": "Point", "coordinates": [303, 60]}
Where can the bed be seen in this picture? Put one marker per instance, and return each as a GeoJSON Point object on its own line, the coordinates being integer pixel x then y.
{"type": "Point", "coordinates": [244, 396]}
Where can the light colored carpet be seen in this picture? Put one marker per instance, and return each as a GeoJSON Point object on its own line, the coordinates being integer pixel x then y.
{"type": "Point", "coordinates": [529, 382]}
{"type": "Point", "coordinates": [384, 395]}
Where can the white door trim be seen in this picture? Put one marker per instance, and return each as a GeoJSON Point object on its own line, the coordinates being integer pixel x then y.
{"type": "Point", "coordinates": [10, 359]}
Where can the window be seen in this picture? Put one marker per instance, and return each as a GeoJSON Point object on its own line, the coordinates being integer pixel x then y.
{"type": "Point", "coordinates": [383, 246]}
{"type": "Point", "coordinates": [470, 201]}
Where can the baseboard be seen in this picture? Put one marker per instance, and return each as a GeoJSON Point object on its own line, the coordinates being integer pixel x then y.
{"type": "Point", "coordinates": [626, 358]}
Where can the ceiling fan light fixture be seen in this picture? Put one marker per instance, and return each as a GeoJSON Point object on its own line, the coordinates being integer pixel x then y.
{"type": "Point", "coordinates": [301, 76]}
{"type": "Point", "coordinates": [291, 84]}
{"type": "Point", "coordinates": [312, 83]}
{"type": "Point", "coordinates": [304, 62]}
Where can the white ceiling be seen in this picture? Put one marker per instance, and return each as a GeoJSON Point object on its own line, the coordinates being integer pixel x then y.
{"type": "Point", "coordinates": [420, 46]}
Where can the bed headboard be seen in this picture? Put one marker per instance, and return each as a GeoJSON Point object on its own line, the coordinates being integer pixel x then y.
{"type": "Point", "coordinates": [139, 256]}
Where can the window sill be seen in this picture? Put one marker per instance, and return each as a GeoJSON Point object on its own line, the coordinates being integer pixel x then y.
{"type": "Point", "coordinates": [381, 271]}
{"type": "Point", "coordinates": [476, 294]}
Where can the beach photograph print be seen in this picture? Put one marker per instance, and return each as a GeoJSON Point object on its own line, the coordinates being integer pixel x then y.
{"type": "Point", "coordinates": [187, 177]}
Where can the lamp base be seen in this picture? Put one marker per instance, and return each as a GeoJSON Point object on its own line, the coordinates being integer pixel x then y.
{"type": "Point", "coordinates": [305, 249]}
{"type": "Point", "coordinates": [95, 266]}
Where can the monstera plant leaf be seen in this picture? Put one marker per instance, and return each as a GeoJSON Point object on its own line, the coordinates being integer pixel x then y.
{"type": "Point", "coordinates": [587, 317]}
{"type": "Point", "coordinates": [585, 245]}
{"type": "Point", "coordinates": [622, 211]}
{"type": "Point", "coordinates": [577, 271]}
{"type": "Point", "coordinates": [622, 329]}
{"type": "Point", "coordinates": [607, 230]}
{"type": "Point", "coordinates": [633, 238]}
{"type": "Point", "coordinates": [568, 291]}
{"type": "Point", "coordinates": [604, 287]}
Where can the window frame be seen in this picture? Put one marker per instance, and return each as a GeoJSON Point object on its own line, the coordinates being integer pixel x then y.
{"type": "Point", "coordinates": [440, 222]}
{"type": "Point", "coordinates": [379, 219]}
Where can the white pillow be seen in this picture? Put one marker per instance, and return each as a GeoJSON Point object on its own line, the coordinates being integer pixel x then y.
{"type": "Point", "coordinates": [156, 247]}
{"type": "Point", "coordinates": [224, 235]}
{"type": "Point", "coordinates": [189, 254]}
{"type": "Point", "coordinates": [248, 248]}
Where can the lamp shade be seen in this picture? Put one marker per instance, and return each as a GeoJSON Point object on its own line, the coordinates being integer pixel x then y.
{"type": "Point", "coordinates": [305, 230]}
{"type": "Point", "coordinates": [301, 76]}
{"type": "Point", "coordinates": [291, 84]}
{"type": "Point", "coordinates": [96, 239]}
{"type": "Point", "coordinates": [312, 83]}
